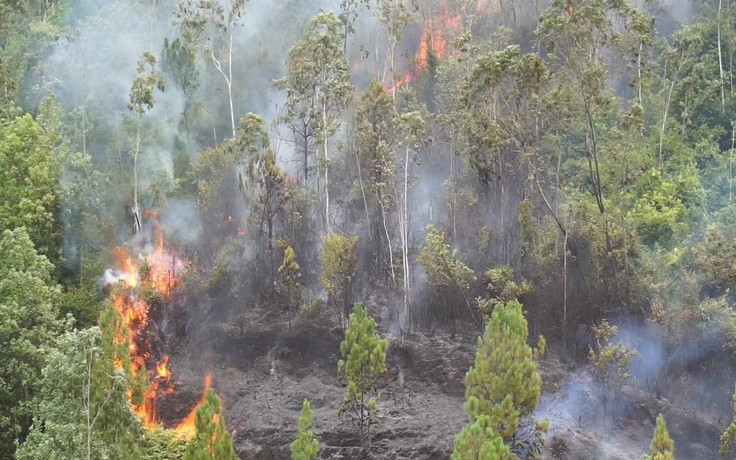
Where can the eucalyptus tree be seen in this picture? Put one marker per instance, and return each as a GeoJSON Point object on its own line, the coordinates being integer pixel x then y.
{"type": "Point", "coordinates": [142, 98]}
{"type": "Point", "coordinates": [210, 27]}
{"type": "Point", "coordinates": [394, 16]}
{"type": "Point", "coordinates": [178, 61]}
{"type": "Point", "coordinates": [376, 141]}
{"type": "Point", "coordinates": [411, 126]}
{"type": "Point", "coordinates": [317, 85]}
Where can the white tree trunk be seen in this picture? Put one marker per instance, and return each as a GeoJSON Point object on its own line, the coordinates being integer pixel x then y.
{"type": "Point", "coordinates": [720, 57]}
{"type": "Point", "coordinates": [327, 166]}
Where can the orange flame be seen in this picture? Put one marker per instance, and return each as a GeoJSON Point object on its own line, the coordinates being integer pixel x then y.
{"type": "Point", "coordinates": [162, 369]}
{"type": "Point", "coordinates": [187, 427]}
{"type": "Point", "coordinates": [434, 39]}
{"type": "Point", "coordinates": [156, 271]}
{"type": "Point", "coordinates": [432, 45]}
{"type": "Point", "coordinates": [403, 81]}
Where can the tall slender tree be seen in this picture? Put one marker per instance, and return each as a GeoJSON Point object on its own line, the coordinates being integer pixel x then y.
{"type": "Point", "coordinates": [142, 98]}
{"type": "Point", "coordinates": [317, 85]}
{"type": "Point", "coordinates": [210, 26]}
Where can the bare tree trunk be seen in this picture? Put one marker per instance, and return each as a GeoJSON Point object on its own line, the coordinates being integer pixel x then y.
{"type": "Point", "coordinates": [720, 57]}
{"type": "Point", "coordinates": [641, 49]}
{"type": "Point", "coordinates": [228, 77]}
{"type": "Point", "coordinates": [388, 240]}
{"type": "Point", "coordinates": [664, 121]}
{"type": "Point", "coordinates": [564, 287]}
{"type": "Point", "coordinates": [362, 192]}
{"type": "Point", "coordinates": [407, 275]}
{"type": "Point", "coordinates": [136, 212]}
{"type": "Point", "coordinates": [327, 168]}
{"type": "Point", "coordinates": [230, 82]}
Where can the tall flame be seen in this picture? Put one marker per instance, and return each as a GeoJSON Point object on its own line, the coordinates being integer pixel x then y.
{"type": "Point", "coordinates": [432, 46]}
{"type": "Point", "coordinates": [158, 270]}
{"type": "Point", "coordinates": [187, 426]}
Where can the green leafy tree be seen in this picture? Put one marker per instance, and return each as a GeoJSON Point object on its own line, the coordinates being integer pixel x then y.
{"type": "Point", "coordinates": [79, 396]}
{"type": "Point", "coordinates": [29, 183]}
{"type": "Point", "coordinates": [271, 199]}
{"type": "Point", "coordinates": [375, 142]}
{"type": "Point", "coordinates": [317, 85]}
{"type": "Point", "coordinates": [728, 438]}
{"type": "Point", "coordinates": [611, 361]}
{"type": "Point", "coordinates": [142, 98]}
{"type": "Point", "coordinates": [29, 325]}
{"type": "Point", "coordinates": [179, 63]}
{"type": "Point", "coordinates": [504, 379]}
{"type": "Point", "coordinates": [501, 288]}
{"type": "Point", "coordinates": [446, 272]}
{"type": "Point", "coordinates": [212, 441]}
{"type": "Point", "coordinates": [306, 446]}
{"type": "Point", "coordinates": [210, 26]}
{"type": "Point", "coordinates": [394, 15]}
{"type": "Point", "coordinates": [290, 273]}
{"type": "Point", "coordinates": [662, 448]}
{"type": "Point", "coordinates": [477, 440]}
{"type": "Point", "coordinates": [339, 264]}
{"type": "Point", "coordinates": [363, 362]}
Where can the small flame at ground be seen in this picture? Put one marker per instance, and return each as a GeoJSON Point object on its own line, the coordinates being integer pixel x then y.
{"type": "Point", "coordinates": [162, 369]}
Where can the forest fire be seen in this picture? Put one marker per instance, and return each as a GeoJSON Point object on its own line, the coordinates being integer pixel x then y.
{"type": "Point", "coordinates": [144, 285]}
{"type": "Point", "coordinates": [432, 47]}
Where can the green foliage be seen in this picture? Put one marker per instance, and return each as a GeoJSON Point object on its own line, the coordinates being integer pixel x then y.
{"type": "Point", "coordinates": [160, 444]}
{"type": "Point", "coordinates": [28, 327]}
{"type": "Point", "coordinates": [290, 273]}
{"type": "Point", "coordinates": [306, 446]}
{"type": "Point", "coordinates": [610, 361]}
{"type": "Point", "coordinates": [501, 80]}
{"type": "Point", "coordinates": [212, 441]}
{"type": "Point", "coordinates": [317, 85]}
{"type": "Point", "coordinates": [363, 362]}
{"type": "Point", "coordinates": [339, 264]}
{"type": "Point", "coordinates": [142, 93]}
{"type": "Point", "coordinates": [728, 438]}
{"type": "Point", "coordinates": [81, 409]}
{"type": "Point", "coordinates": [29, 183]}
{"type": "Point", "coordinates": [444, 269]}
{"type": "Point", "coordinates": [82, 303]}
{"type": "Point", "coordinates": [446, 272]}
{"type": "Point", "coordinates": [504, 383]}
{"type": "Point", "coordinates": [178, 62]}
{"type": "Point", "coordinates": [501, 288]}
{"type": "Point", "coordinates": [662, 448]}
{"type": "Point", "coordinates": [477, 440]}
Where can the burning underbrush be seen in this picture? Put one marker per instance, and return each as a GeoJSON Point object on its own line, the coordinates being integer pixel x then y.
{"type": "Point", "coordinates": [143, 286]}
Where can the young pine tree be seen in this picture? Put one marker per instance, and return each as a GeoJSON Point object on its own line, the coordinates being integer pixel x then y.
{"type": "Point", "coordinates": [306, 446]}
{"type": "Point", "coordinates": [662, 448]}
{"type": "Point", "coordinates": [290, 272]}
{"type": "Point", "coordinates": [478, 441]}
{"type": "Point", "coordinates": [213, 441]}
{"type": "Point", "coordinates": [504, 379]}
{"type": "Point", "coordinates": [364, 360]}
